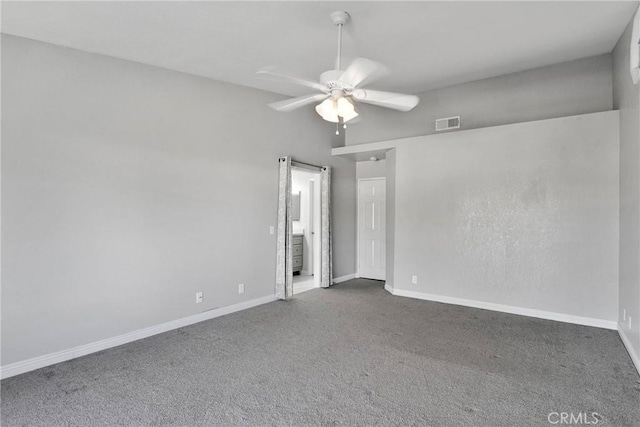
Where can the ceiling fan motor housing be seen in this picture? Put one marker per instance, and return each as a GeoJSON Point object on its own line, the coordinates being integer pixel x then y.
{"type": "Point", "coordinates": [331, 79]}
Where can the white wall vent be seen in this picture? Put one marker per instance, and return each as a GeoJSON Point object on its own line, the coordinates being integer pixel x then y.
{"type": "Point", "coordinates": [448, 123]}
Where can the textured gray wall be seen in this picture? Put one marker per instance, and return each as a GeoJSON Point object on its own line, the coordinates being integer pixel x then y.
{"type": "Point", "coordinates": [127, 188]}
{"type": "Point", "coordinates": [390, 216]}
{"type": "Point", "coordinates": [369, 169]}
{"type": "Point", "coordinates": [523, 215]}
{"type": "Point", "coordinates": [571, 88]}
{"type": "Point", "coordinates": [626, 98]}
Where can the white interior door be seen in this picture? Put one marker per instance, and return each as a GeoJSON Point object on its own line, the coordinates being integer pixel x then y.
{"type": "Point", "coordinates": [371, 228]}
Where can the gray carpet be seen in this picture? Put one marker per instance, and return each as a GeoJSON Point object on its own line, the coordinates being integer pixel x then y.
{"type": "Point", "coordinates": [349, 355]}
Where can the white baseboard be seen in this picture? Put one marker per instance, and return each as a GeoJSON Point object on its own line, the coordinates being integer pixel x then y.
{"type": "Point", "coordinates": [388, 288]}
{"type": "Point", "coordinates": [344, 278]}
{"type": "Point", "coordinates": [549, 315]}
{"type": "Point", "coordinates": [627, 343]}
{"type": "Point", "coordinates": [72, 353]}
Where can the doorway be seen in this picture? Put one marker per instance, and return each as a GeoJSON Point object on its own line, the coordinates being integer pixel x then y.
{"type": "Point", "coordinates": [305, 188]}
{"type": "Point", "coordinates": [372, 228]}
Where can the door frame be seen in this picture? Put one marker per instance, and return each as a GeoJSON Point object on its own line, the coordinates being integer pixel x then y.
{"type": "Point", "coordinates": [379, 178]}
{"type": "Point", "coordinates": [316, 200]}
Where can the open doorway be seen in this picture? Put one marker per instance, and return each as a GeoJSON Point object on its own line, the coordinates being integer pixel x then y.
{"type": "Point", "coordinates": [306, 215]}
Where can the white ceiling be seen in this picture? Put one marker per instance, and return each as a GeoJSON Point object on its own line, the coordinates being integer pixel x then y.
{"type": "Point", "coordinates": [425, 44]}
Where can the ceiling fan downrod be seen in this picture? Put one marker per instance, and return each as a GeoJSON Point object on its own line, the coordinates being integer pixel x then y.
{"type": "Point", "coordinates": [339, 19]}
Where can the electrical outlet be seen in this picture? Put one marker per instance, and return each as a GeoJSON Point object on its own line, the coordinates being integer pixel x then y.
{"type": "Point", "coordinates": [624, 314]}
{"type": "Point", "coordinates": [241, 288]}
{"type": "Point", "coordinates": [198, 297]}
{"type": "Point", "coordinates": [629, 322]}
{"type": "Point", "coordinates": [414, 280]}
{"type": "Point", "coordinates": [272, 230]}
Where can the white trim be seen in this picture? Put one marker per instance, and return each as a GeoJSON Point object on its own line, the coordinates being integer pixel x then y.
{"type": "Point", "coordinates": [549, 315]}
{"type": "Point", "coordinates": [72, 353]}
{"type": "Point", "coordinates": [635, 358]}
{"type": "Point", "coordinates": [344, 278]}
{"type": "Point", "coordinates": [388, 288]}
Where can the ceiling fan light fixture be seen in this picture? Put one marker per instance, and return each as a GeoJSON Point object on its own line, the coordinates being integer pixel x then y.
{"type": "Point", "coordinates": [346, 109]}
{"type": "Point", "coordinates": [350, 116]}
{"type": "Point", "coordinates": [332, 109]}
{"type": "Point", "coordinates": [328, 110]}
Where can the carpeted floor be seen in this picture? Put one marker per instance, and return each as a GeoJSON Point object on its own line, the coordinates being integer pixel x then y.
{"type": "Point", "coordinates": [349, 355]}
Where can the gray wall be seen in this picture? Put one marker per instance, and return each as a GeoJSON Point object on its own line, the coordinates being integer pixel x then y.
{"type": "Point", "coordinates": [626, 98]}
{"type": "Point", "coordinates": [390, 193]}
{"type": "Point", "coordinates": [369, 169]}
{"type": "Point", "coordinates": [571, 88]}
{"type": "Point", "coordinates": [127, 188]}
{"type": "Point", "coordinates": [523, 215]}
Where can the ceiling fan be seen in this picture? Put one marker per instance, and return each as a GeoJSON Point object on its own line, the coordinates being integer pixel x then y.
{"type": "Point", "coordinates": [340, 88]}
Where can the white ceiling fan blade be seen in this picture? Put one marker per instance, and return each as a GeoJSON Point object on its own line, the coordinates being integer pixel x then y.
{"type": "Point", "coordinates": [397, 101]}
{"type": "Point", "coordinates": [301, 101]}
{"type": "Point", "coordinates": [270, 73]}
{"type": "Point", "coordinates": [362, 71]}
